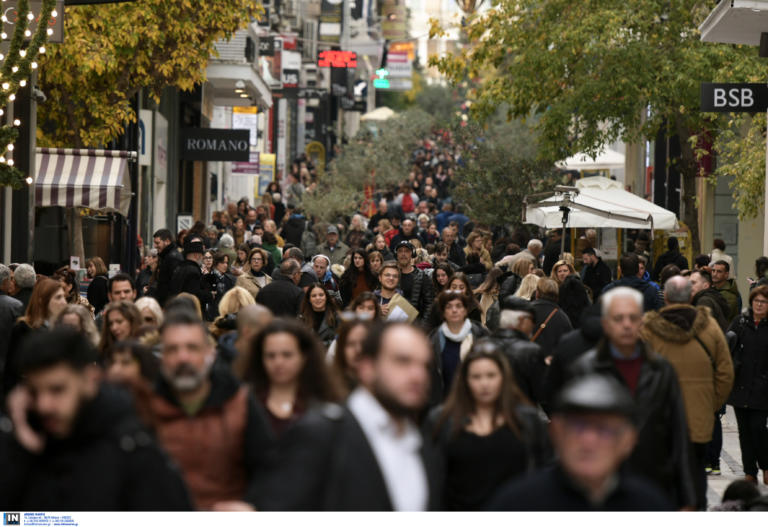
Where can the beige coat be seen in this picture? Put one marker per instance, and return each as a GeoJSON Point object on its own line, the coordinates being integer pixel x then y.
{"type": "Point", "coordinates": [248, 282]}
{"type": "Point", "coordinates": [671, 333]}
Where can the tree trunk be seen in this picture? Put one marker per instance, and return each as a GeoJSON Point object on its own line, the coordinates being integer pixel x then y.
{"type": "Point", "coordinates": [688, 171]}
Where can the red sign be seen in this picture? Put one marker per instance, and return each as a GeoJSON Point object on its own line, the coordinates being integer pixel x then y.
{"type": "Point", "coordinates": [337, 59]}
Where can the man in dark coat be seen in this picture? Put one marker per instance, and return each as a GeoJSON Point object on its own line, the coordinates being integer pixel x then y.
{"type": "Point", "coordinates": [88, 450]}
{"type": "Point", "coordinates": [283, 296]}
{"type": "Point", "coordinates": [662, 451]}
{"type": "Point", "coordinates": [596, 273]}
{"type": "Point", "coordinates": [629, 264]}
{"type": "Point", "coordinates": [550, 322]}
{"type": "Point", "coordinates": [553, 249]}
{"type": "Point", "coordinates": [368, 455]}
{"type": "Point", "coordinates": [588, 474]}
{"type": "Point", "coordinates": [169, 258]}
{"type": "Point", "coordinates": [672, 256]}
{"type": "Point", "coordinates": [188, 276]}
{"type": "Point", "coordinates": [415, 283]}
{"type": "Point", "coordinates": [406, 234]}
{"type": "Point", "coordinates": [25, 277]}
{"type": "Point", "coordinates": [706, 295]}
{"type": "Point", "coordinates": [514, 339]}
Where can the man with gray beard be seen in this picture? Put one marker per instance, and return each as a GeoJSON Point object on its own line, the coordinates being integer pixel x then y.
{"type": "Point", "coordinates": [209, 424]}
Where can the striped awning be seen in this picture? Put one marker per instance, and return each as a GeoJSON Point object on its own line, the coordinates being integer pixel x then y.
{"type": "Point", "coordinates": [71, 177]}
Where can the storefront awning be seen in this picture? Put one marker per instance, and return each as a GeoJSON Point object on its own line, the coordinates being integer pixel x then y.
{"type": "Point", "coordinates": [95, 179]}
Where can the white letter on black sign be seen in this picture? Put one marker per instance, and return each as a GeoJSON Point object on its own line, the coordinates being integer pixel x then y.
{"type": "Point", "coordinates": [719, 97]}
{"type": "Point", "coordinates": [747, 98]}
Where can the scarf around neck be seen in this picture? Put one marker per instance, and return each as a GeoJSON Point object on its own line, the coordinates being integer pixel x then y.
{"type": "Point", "coordinates": [457, 337]}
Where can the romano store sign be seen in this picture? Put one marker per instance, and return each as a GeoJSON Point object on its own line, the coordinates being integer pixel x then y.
{"type": "Point", "coordinates": [211, 144]}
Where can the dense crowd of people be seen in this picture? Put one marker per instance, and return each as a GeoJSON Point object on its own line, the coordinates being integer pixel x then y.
{"type": "Point", "coordinates": [410, 360]}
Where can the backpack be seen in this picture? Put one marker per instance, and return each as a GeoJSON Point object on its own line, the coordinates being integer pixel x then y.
{"type": "Point", "coordinates": [407, 204]}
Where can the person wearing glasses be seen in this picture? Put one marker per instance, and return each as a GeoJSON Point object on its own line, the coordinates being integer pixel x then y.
{"type": "Point", "coordinates": [593, 429]}
{"type": "Point", "coordinates": [662, 452]}
{"type": "Point", "coordinates": [487, 431]}
{"type": "Point", "coordinates": [254, 277]}
{"type": "Point", "coordinates": [749, 396]}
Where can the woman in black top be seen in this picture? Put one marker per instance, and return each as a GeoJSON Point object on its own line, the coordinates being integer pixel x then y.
{"type": "Point", "coordinates": [97, 289]}
{"type": "Point", "coordinates": [487, 431]}
{"type": "Point", "coordinates": [357, 278]}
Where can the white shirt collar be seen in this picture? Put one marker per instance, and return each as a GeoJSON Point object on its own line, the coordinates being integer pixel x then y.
{"type": "Point", "coordinates": [373, 418]}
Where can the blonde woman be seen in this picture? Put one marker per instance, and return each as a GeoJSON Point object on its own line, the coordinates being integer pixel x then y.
{"type": "Point", "coordinates": [151, 312]}
{"type": "Point", "coordinates": [231, 303]}
{"type": "Point", "coordinates": [527, 287]}
{"type": "Point", "coordinates": [561, 270]}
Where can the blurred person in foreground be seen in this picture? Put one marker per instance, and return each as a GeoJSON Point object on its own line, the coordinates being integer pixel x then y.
{"type": "Point", "coordinates": [368, 455]}
{"type": "Point", "coordinates": [75, 444]}
{"type": "Point", "coordinates": [593, 431]}
{"type": "Point", "coordinates": [209, 423]}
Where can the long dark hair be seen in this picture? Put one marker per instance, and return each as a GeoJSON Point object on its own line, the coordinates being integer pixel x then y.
{"type": "Point", "coordinates": [349, 278]}
{"type": "Point", "coordinates": [69, 277]}
{"type": "Point", "coordinates": [365, 296]}
{"type": "Point", "coordinates": [341, 368]}
{"type": "Point", "coordinates": [129, 311]}
{"type": "Point", "coordinates": [444, 266]}
{"type": "Point", "coordinates": [308, 314]}
{"type": "Point", "coordinates": [573, 298]}
{"type": "Point", "coordinates": [460, 404]}
{"type": "Point", "coordinates": [315, 381]}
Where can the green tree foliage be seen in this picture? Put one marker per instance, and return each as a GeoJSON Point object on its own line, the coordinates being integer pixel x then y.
{"type": "Point", "coordinates": [380, 155]}
{"type": "Point", "coordinates": [17, 64]}
{"type": "Point", "coordinates": [112, 51]}
{"type": "Point", "coordinates": [590, 71]}
{"type": "Point", "coordinates": [500, 167]}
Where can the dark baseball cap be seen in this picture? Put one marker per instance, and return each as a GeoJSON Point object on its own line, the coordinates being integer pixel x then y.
{"type": "Point", "coordinates": [595, 393]}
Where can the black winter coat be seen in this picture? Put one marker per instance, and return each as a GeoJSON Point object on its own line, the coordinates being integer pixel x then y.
{"type": "Point", "coordinates": [651, 298]}
{"type": "Point", "coordinates": [662, 449]}
{"type": "Point", "coordinates": [526, 359]}
{"type": "Point", "coordinates": [557, 326]}
{"type": "Point", "coordinates": [10, 310]}
{"type": "Point", "coordinates": [188, 278]}
{"type": "Point", "coordinates": [550, 490]}
{"type": "Point", "coordinates": [669, 257]}
{"type": "Point", "coordinates": [282, 297]}
{"type": "Point", "coordinates": [326, 464]}
{"type": "Point", "coordinates": [170, 258]}
{"type": "Point", "coordinates": [597, 277]}
{"type": "Point", "coordinates": [97, 292]}
{"type": "Point", "coordinates": [718, 305]}
{"type": "Point", "coordinates": [750, 363]}
{"type": "Point", "coordinates": [109, 463]}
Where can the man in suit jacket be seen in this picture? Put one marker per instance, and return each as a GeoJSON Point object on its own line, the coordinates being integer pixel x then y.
{"type": "Point", "coordinates": [368, 455]}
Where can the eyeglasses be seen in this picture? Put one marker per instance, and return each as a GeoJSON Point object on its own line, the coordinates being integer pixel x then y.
{"type": "Point", "coordinates": [760, 302]}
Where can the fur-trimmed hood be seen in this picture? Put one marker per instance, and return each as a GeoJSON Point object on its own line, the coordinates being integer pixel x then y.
{"type": "Point", "coordinates": [677, 322]}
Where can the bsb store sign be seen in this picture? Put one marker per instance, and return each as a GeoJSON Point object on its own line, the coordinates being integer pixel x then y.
{"type": "Point", "coordinates": [211, 144]}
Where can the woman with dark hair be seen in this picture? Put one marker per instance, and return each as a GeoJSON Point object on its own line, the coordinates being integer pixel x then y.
{"type": "Point", "coordinates": [441, 276]}
{"type": "Point", "coordinates": [573, 298]}
{"type": "Point", "coordinates": [357, 278]}
{"type": "Point", "coordinates": [97, 289]}
{"type": "Point", "coordinates": [749, 396]}
{"type": "Point", "coordinates": [45, 303]}
{"type": "Point", "coordinates": [69, 280]}
{"type": "Point", "coordinates": [365, 305]}
{"type": "Point", "coordinates": [319, 313]}
{"type": "Point", "coordinates": [487, 432]}
{"type": "Point", "coordinates": [460, 283]}
{"type": "Point", "coordinates": [288, 373]}
{"type": "Point", "coordinates": [761, 273]}
{"type": "Point", "coordinates": [349, 346]}
{"type": "Point", "coordinates": [269, 244]}
{"type": "Point", "coordinates": [122, 321]}
{"type": "Point", "coordinates": [130, 362]}
{"type": "Point", "coordinates": [451, 341]}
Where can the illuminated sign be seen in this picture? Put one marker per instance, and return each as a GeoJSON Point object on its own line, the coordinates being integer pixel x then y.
{"type": "Point", "coordinates": [337, 59]}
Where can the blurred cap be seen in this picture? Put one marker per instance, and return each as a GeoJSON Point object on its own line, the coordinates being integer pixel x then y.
{"type": "Point", "coordinates": [595, 393]}
{"type": "Point", "coordinates": [515, 303]}
{"type": "Point", "coordinates": [332, 230]}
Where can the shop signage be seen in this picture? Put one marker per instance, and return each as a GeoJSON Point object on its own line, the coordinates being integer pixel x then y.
{"type": "Point", "coordinates": [332, 58]}
{"type": "Point", "coordinates": [734, 97]}
{"type": "Point", "coordinates": [211, 144]}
